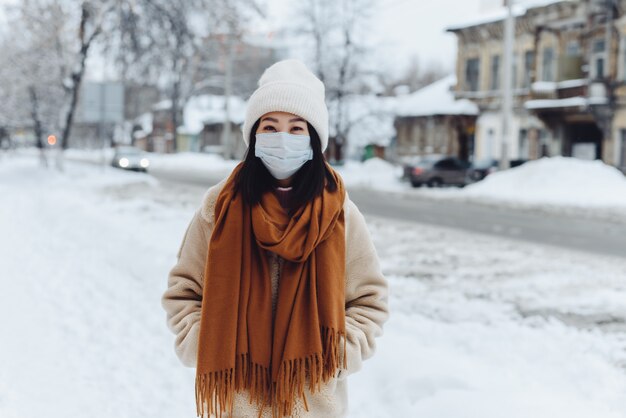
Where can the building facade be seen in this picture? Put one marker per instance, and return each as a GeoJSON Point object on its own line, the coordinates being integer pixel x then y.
{"type": "Point", "coordinates": [432, 121]}
{"type": "Point", "coordinates": [569, 81]}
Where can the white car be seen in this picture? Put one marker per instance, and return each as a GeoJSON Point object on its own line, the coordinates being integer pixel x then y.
{"type": "Point", "coordinates": [130, 158]}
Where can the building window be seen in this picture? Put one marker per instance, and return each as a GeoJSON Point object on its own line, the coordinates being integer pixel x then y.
{"type": "Point", "coordinates": [544, 142]}
{"type": "Point", "coordinates": [573, 49]}
{"type": "Point", "coordinates": [598, 45]}
{"type": "Point", "coordinates": [623, 59]}
{"type": "Point", "coordinates": [599, 66]}
{"type": "Point", "coordinates": [515, 81]}
{"type": "Point", "coordinates": [471, 74]}
{"type": "Point", "coordinates": [622, 155]}
{"type": "Point", "coordinates": [529, 67]}
{"type": "Point", "coordinates": [598, 58]}
{"type": "Point", "coordinates": [489, 152]}
{"type": "Point", "coordinates": [495, 72]}
{"type": "Point", "coordinates": [548, 65]}
{"type": "Point", "coordinates": [524, 146]}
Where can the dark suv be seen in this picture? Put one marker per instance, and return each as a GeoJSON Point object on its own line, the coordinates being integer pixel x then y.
{"type": "Point", "coordinates": [439, 171]}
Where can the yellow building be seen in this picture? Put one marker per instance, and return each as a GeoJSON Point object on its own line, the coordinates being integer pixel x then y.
{"type": "Point", "coordinates": [569, 80]}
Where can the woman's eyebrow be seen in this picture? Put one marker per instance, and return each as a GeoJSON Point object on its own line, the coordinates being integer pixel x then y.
{"type": "Point", "coordinates": [269, 118]}
{"type": "Point", "coordinates": [296, 120]}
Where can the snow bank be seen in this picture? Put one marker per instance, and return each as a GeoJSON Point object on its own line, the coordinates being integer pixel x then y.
{"type": "Point", "coordinates": [374, 173]}
{"type": "Point", "coordinates": [209, 164]}
{"type": "Point", "coordinates": [558, 181]}
{"type": "Point", "coordinates": [560, 184]}
{"type": "Point", "coordinates": [98, 156]}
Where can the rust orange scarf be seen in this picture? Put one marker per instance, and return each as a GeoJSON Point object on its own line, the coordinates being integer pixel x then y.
{"type": "Point", "coordinates": [241, 347]}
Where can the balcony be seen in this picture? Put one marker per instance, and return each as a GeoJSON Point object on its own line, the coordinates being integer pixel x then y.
{"type": "Point", "coordinates": [570, 67]}
{"type": "Point", "coordinates": [578, 95]}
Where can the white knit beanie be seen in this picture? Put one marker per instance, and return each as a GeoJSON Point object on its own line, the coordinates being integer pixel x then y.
{"type": "Point", "coordinates": [289, 86]}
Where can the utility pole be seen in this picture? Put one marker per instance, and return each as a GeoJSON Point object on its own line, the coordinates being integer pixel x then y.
{"type": "Point", "coordinates": [101, 123]}
{"type": "Point", "coordinates": [507, 86]}
{"type": "Point", "coordinates": [228, 86]}
{"type": "Point", "coordinates": [607, 119]}
{"type": "Point", "coordinates": [607, 38]}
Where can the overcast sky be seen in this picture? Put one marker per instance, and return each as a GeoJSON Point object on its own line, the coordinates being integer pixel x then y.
{"type": "Point", "coordinates": [403, 28]}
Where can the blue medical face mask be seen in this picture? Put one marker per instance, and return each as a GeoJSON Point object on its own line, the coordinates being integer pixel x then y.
{"type": "Point", "coordinates": [283, 153]}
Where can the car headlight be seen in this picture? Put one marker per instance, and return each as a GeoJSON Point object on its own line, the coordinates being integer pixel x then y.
{"type": "Point", "coordinates": [124, 162]}
{"type": "Point", "coordinates": [144, 162]}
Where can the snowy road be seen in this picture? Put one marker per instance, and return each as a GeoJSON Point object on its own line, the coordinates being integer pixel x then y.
{"type": "Point", "coordinates": [570, 231]}
{"type": "Point", "coordinates": [591, 235]}
{"type": "Point", "coordinates": [480, 327]}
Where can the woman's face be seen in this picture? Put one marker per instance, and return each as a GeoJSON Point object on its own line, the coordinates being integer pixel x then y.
{"type": "Point", "coordinates": [282, 122]}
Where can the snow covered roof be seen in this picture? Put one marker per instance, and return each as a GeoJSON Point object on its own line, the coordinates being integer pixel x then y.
{"type": "Point", "coordinates": [543, 86]}
{"type": "Point", "coordinates": [139, 134]}
{"type": "Point", "coordinates": [209, 109]}
{"type": "Point", "coordinates": [145, 120]}
{"type": "Point", "coordinates": [578, 82]}
{"type": "Point", "coordinates": [500, 13]}
{"type": "Point", "coordinates": [162, 105]}
{"type": "Point", "coordinates": [436, 99]}
{"type": "Point", "coordinates": [577, 101]}
{"type": "Point", "coordinates": [552, 86]}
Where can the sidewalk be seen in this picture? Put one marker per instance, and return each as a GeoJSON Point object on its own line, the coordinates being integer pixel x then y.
{"type": "Point", "coordinates": [480, 327]}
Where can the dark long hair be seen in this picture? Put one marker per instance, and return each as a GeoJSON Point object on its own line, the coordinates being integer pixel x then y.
{"type": "Point", "coordinates": [308, 182]}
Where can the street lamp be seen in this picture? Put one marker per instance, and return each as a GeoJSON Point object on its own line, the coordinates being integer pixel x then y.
{"type": "Point", "coordinates": [507, 87]}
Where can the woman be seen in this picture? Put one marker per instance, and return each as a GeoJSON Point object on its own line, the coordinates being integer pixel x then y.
{"type": "Point", "coordinates": [277, 294]}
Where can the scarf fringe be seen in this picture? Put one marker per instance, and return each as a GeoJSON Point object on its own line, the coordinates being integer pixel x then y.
{"type": "Point", "coordinates": [215, 390]}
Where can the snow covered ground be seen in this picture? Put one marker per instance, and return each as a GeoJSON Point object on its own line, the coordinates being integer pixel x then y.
{"type": "Point", "coordinates": [480, 326]}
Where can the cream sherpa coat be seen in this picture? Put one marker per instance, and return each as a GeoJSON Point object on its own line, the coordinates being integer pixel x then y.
{"type": "Point", "coordinates": [366, 304]}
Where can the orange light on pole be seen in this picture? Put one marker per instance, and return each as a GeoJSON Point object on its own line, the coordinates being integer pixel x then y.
{"type": "Point", "coordinates": [52, 139]}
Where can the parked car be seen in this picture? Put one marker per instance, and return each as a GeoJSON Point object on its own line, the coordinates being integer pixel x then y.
{"type": "Point", "coordinates": [439, 171]}
{"type": "Point", "coordinates": [409, 162]}
{"type": "Point", "coordinates": [518, 162]}
{"type": "Point", "coordinates": [130, 158]}
{"type": "Point", "coordinates": [482, 168]}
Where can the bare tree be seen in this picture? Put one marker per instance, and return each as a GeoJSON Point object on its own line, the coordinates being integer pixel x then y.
{"type": "Point", "coordinates": [89, 28]}
{"type": "Point", "coordinates": [318, 21]}
{"type": "Point", "coordinates": [152, 40]}
{"type": "Point", "coordinates": [333, 30]}
{"type": "Point", "coordinates": [57, 38]}
{"type": "Point", "coordinates": [414, 77]}
{"type": "Point", "coordinates": [32, 71]}
{"type": "Point", "coordinates": [163, 41]}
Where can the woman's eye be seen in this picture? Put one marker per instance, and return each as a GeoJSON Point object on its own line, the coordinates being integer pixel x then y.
{"type": "Point", "coordinates": [296, 128]}
{"type": "Point", "coordinates": [269, 128]}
